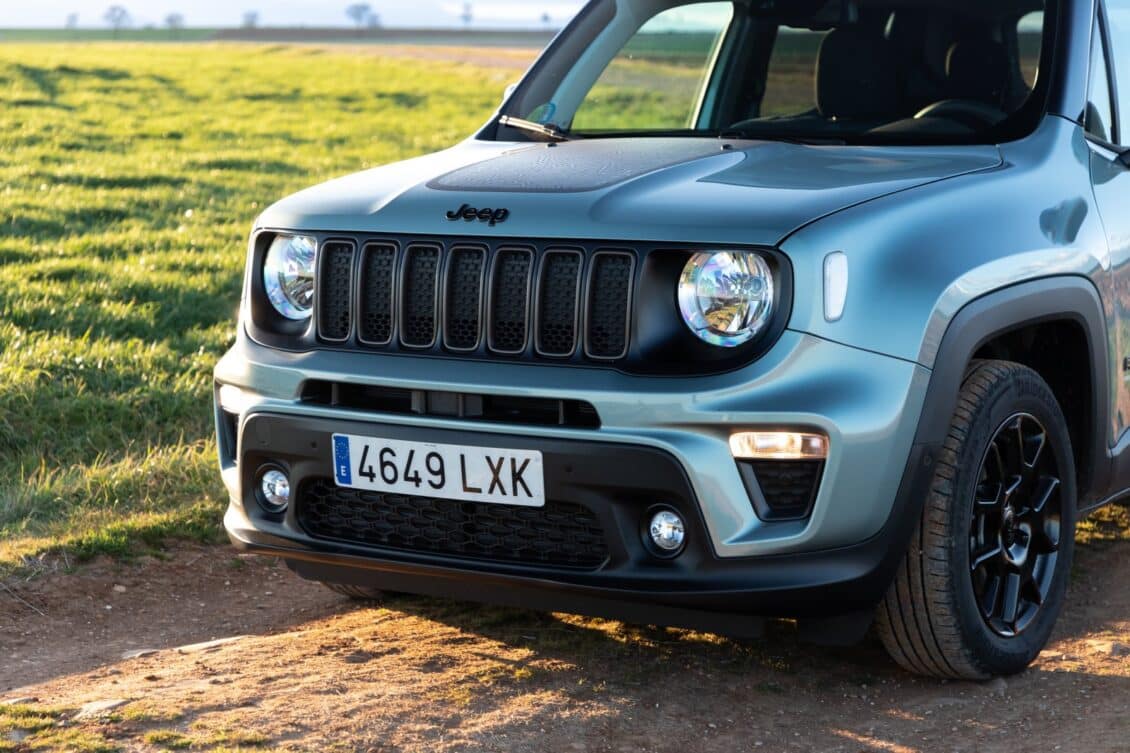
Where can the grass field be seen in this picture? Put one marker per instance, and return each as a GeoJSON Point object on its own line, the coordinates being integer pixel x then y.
{"type": "Point", "coordinates": [129, 178]}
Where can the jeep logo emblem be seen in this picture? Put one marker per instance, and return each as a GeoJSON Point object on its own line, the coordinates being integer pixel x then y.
{"type": "Point", "coordinates": [470, 214]}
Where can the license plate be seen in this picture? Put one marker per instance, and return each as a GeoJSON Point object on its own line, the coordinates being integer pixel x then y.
{"type": "Point", "coordinates": [422, 469]}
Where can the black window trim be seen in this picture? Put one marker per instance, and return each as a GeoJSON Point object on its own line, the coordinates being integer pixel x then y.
{"type": "Point", "coordinates": [1101, 27]}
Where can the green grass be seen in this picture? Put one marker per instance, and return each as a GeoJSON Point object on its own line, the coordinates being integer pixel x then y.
{"type": "Point", "coordinates": [129, 178]}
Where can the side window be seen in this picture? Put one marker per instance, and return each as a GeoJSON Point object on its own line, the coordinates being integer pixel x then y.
{"type": "Point", "coordinates": [1030, 36]}
{"type": "Point", "coordinates": [1118, 17]}
{"type": "Point", "coordinates": [1099, 118]}
{"type": "Point", "coordinates": [656, 79]}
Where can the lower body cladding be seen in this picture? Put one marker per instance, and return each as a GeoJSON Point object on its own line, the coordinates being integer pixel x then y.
{"type": "Point", "coordinates": [587, 550]}
{"type": "Point", "coordinates": [758, 541]}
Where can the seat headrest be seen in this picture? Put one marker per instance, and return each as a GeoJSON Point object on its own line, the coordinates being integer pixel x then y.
{"type": "Point", "coordinates": [856, 76]}
{"type": "Point", "coordinates": [977, 69]}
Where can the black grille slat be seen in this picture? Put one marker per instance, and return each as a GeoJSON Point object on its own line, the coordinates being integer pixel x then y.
{"type": "Point", "coordinates": [335, 299]}
{"type": "Point", "coordinates": [558, 293]}
{"type": "Point", "coordinates": [533, 411]}
{"type": "Point", "coordinates": [418, 304]}
{"type": "Point", "coordinates": [378, 280]}
{"type": "Point", "coordinates": [464, 303]}
{"type": "Point", "coordinates": [560, 534]}
{"type": "Point", "coordinates": [510, 293]}
{"type": "Point", "coordinates": [609, 301]}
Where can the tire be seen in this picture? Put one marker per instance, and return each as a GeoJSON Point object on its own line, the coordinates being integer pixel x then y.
{"type": "Point", "coordinates": [949, 612]}
{"type": "Point", "coordinates": [357, 593]}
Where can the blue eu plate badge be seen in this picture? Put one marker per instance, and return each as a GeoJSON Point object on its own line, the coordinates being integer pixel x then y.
{"type": "Point", "coordinates": [342, 468]}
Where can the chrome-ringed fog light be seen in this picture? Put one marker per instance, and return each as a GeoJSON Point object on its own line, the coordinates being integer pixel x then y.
{"type": "Point", "coordinates": [274, 490]}
{"type": "Point", "coordinates": [726, 297]}
{"type": "Point", "coordinates": [666, 532]}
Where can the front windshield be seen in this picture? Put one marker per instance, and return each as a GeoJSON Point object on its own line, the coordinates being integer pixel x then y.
{"type": "Point", "coordinates": [808, 70]}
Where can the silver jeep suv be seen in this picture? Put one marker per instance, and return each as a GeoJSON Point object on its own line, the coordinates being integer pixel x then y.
{"type": "Point", "coordinates": [735, 310]}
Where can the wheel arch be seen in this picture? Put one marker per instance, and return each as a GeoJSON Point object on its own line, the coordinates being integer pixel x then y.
{"type": "Point", "coordinates": [995, 325]}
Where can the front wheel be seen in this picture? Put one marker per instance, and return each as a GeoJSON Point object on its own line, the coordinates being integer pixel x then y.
{"type": "Point", "coordinates": [985, 577]}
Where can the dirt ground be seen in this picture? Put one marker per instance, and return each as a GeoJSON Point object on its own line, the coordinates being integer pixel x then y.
{"type": "Point", "coordinates": [308, 670]}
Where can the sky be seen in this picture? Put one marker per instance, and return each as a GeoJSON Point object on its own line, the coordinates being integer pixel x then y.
{"type": "Point", "coordinates": [493, 13]}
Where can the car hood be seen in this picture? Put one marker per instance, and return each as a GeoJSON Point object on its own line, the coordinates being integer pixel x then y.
{"type": "Point", "coordinates": [658, 189]}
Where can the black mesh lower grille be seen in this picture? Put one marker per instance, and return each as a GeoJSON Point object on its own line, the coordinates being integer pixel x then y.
{"type": "Point", "coordinates": [336, 296]}
{"type": "Point", "coordinates": [418, 324]}
{"type": "Point", "coordinates": [463, 313]}
{"type": "Point", "coordinates": [609, 290]}
{"type": "Point", "coordinates": [378, 273]}
{"type": "Point", "coordinates": [557, 303]}
{"type": "Point", "coordinates": [509, 304]}
{"type": "Point", "coordinates": [788, 486]}
{"type": "Point", "coordinates": [560, 534]}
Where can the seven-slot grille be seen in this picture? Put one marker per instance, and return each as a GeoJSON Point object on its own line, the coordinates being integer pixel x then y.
{"type": "Point", "coordinates": [466, 297]}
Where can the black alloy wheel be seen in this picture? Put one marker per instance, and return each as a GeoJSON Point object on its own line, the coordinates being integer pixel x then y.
{"type": "Point", "coordinates": [1015, 531]}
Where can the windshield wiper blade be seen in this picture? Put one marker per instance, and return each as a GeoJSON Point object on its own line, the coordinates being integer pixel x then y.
{"type": "Point", "coordinates": [548, 130]}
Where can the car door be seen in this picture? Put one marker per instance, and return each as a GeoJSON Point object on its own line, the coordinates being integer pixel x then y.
{"type": "Point", "coordinates": [1108, 135]}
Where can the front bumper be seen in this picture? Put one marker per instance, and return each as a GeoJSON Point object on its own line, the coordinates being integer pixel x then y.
{"type": "Point", "coordinates": [660, 440]}
{"type": "Point", "coordinates": [695, 589]}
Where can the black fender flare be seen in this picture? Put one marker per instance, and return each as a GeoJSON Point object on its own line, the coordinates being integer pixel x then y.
{"type": "Point", "coordinates": [1071, 298]}
{"type": "Point", "coordinates": [983, 319]}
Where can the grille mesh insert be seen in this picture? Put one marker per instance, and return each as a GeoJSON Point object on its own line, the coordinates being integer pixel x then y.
{"type": "Point", "coordinates": [609, 290]}
{"type": "Point", "coordinates": [418, 326]}
{"type": "Point", "coordinates": [463, 313]}
{"type": "Point", "coordinates": [789, 486]}
{"type": "Point", "coordinates": [561, 534]}
{"type": "Point", "coordinates": [509, 304]}
{"type": "Point", "coordinates": [335, 298]}
{"type": "Point", "coordinates": [378, 273]}
{"type": "Point", "coordinates": [557, 303]}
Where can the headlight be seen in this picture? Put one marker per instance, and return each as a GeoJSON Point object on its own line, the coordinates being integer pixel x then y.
{"type": "Point", "coordinates": [726, 297]}
{"type": "Point", "coordinates": [288, 275]}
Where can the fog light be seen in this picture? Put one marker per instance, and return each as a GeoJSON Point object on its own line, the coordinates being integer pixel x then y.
{"type": "Point", "coordinates": [274, 490]}
{"type": "Point", "coordinates": [667, 532]}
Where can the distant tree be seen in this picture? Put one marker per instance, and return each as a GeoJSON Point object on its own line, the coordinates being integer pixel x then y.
{"type": "Point", "coordinates": [117, 17]}
{"type": "Point", "coordinates": [373, 21]}
{"type": "Point", "coordinates": [72, 20]}
{"type": "Point", "coordinates": [175, 22]}
{"type": "Point", "coordinates": [359, 13]}
{"type": "Point", "coordinates": [546, 19]}
{"type": "Point", "coordinates": [251, 19]}
{"type": "Point", "coordinates": [468, 14]}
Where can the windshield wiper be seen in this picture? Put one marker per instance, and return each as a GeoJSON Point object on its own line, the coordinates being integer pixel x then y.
{"type": "Point", "coordinates": [548, 130]}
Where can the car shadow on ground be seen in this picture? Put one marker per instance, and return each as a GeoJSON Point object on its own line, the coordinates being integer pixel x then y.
{"type": "Point", "coordinates": [416, 673]}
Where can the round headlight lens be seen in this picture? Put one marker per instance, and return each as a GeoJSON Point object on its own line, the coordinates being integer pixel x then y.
{"type": "Point", "coordinates": [726, 297]}
{"type": "Point", "coordinates": [288, 275]}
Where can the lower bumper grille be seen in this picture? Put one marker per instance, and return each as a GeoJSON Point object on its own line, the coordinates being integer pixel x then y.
{"type": "Point", "coordinates": [561, 534]}
{"type": "Point", "coordinates": [788, 487]}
